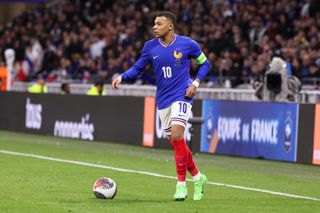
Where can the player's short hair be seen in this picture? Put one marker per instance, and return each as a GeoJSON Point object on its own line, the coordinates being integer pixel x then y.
{"type": "Point", "coordinates": [169, 15]}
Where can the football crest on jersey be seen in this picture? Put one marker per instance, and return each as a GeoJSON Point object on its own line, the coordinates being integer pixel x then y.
{"type": "Point", "coordinates": [178, 56]}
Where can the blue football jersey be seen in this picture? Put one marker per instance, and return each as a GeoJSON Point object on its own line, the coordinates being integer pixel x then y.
{"type": "Point", "coordinates": [171, 65]}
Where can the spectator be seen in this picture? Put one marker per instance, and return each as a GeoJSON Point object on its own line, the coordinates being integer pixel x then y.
{"type": "Point", "coordinates": [38, 87]}
{"type": "Point", "coordinates": [314, 71]}
{"type": "Point", "coordinates": [65, 89]}
{"type": "Point", "coordinates": [97, 89]}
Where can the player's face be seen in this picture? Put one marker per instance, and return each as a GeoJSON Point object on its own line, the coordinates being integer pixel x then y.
{"type": "Point", "coordinates": [161, 26]}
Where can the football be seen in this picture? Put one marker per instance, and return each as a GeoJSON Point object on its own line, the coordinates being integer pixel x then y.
{"type": "Point", "coordinates": [105, 188]}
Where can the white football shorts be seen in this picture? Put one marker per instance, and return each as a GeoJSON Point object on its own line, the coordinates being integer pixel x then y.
{"type": "Point", "coordinates": [178, 113]}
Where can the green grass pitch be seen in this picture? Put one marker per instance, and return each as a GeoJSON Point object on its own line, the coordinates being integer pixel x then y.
{"type": "Point", "coordinates": [29, 184]}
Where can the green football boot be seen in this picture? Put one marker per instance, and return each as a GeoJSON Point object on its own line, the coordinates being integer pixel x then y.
{"type": "Point", "coordinates": [198, 187]}
{"type": "Point", "coordinates": [181, 193]}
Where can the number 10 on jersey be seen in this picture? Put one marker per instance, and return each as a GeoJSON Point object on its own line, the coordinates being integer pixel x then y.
{"type": "Point", "coordinates": [167, 72]}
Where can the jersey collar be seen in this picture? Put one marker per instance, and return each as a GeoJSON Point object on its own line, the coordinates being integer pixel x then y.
{"type": "Point", "coordinates": [174, 39]}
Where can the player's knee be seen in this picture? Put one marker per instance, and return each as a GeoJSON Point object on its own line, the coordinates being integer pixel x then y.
{"type": "Point", "coordinates": [176, 136]}
{"type": "Point", "coordinates": [177, 132]}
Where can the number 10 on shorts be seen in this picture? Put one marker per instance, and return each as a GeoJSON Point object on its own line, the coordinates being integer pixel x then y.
{"type": "Point", "coordinates": [182, 107]}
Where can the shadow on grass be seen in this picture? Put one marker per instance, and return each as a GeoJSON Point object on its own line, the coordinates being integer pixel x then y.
{"type": "Point", "coordinates": [130, 201]}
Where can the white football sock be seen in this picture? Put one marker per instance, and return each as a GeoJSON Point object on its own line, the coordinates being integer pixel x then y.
{"type": "Point", "coordinates": [196, 177]}
{"type": "Point", "coordinates": [181, 183]}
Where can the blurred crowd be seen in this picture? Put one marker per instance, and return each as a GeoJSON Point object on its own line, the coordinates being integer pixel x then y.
{"type": "Point", "coordinates": [97, 39]}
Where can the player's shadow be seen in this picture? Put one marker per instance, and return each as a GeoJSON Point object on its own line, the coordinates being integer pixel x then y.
{"type": "Point", "coordinates": [134, 201]}
{"type": "Point", "coordinates": [143, 201]}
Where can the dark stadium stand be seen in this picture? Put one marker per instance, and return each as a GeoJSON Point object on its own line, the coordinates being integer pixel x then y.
{"type": "Point", "coordinates": [80, 41]}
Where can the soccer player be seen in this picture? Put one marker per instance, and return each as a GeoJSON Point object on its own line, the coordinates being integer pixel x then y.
{"type": "Point", "coordinates": [170, 56]}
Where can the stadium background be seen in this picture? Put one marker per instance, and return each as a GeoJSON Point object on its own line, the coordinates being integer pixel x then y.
{"type": "Point", "coordinates": [80, 41]}
{"type": "Point", "coordinates": [43, 47]}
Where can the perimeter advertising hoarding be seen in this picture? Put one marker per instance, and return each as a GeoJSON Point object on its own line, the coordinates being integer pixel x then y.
{"type": "Point", "coordinates": [316, 142]}
{"type": "Point", "coordinates": [108, 118]}
{"type": "Point", "coordinates": [305, 133]}
{"type": "Point", "coordinates": [250, 129]}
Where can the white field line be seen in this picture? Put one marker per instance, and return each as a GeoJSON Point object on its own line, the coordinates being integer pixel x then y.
{"type": "Point", "coordinates": [152, 174]}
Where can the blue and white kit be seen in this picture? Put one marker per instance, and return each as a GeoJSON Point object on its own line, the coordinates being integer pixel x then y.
{"type": "Point", "coordinates": [171, 64]}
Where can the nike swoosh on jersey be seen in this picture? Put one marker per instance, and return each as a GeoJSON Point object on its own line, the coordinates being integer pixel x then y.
{"type": "Point", "coordinates": [154, 57]}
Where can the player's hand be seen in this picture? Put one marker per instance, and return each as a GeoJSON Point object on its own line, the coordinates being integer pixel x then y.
{"type": "Point", "coordinates": [116, 82]}
{"type": "Point", "coordinates": [191, 91]}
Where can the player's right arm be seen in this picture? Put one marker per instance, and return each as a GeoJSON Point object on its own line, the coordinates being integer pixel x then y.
{"type": "Point", "coordinates": [135, 70]}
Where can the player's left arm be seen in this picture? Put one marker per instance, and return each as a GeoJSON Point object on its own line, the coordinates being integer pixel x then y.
{"type": "Point", "coordinates": [204, 68]}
